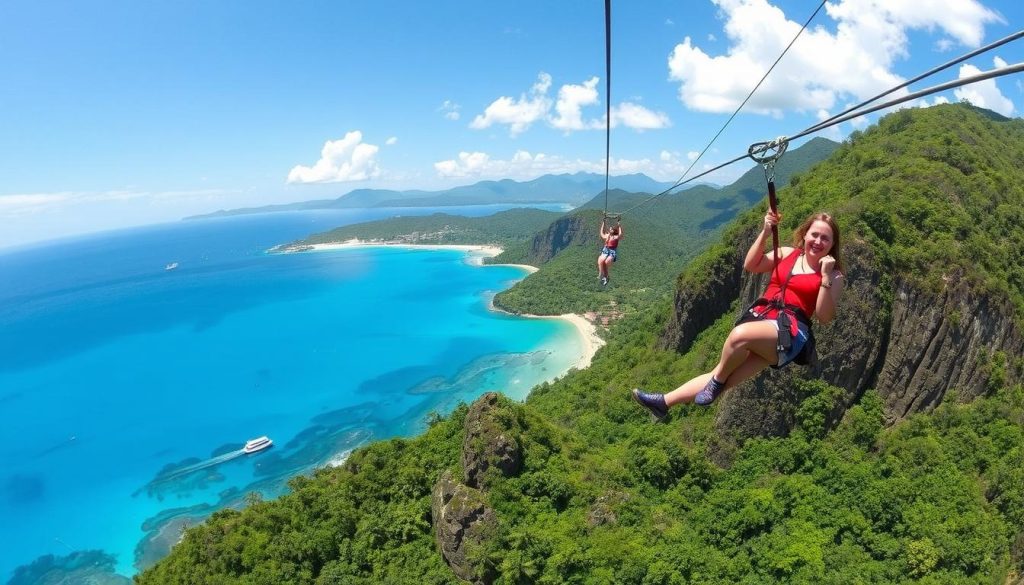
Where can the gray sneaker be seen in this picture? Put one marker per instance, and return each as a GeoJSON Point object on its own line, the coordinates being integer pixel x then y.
{"type": "Point", "coordinates": [710, 392]}
{"type": "Point", "coordinates": [654, 403]}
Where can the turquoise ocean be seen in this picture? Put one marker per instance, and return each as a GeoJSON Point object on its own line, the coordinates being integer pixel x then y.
{"type": "Point", "coordinates": [128, 390]}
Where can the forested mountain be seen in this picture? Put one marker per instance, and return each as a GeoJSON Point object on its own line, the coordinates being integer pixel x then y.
{"type": "Point", "coordinates": [898, 459]}
{"type": "Point", "coordinates": [573, 189]}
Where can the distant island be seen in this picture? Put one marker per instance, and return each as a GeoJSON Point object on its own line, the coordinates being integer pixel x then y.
{"type": "Point", "coordinates": [572, 189]}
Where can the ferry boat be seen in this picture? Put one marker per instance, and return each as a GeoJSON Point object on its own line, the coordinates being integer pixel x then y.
{"type": "Point", "coordinates": [258, 444]}
{"type": "Point", "coordinates": [171, 266]}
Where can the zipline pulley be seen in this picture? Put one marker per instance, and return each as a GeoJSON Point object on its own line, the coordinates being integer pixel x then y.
{"type": "Point", "coordinates": [767, 154]}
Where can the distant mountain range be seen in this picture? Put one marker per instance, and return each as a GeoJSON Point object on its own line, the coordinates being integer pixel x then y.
{"type": "Point", "coordinates": [574, 189]}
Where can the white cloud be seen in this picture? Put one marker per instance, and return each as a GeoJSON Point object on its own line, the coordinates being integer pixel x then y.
{"type": "Point", "coordinates": [984, 94]}
{"type": "Point", "coordinates": [450, 110]}
{"type": "Point", "coordinates": [822, 67]}
{"type": "Point", "coordinates": [669, 22]}
{"type": "Point", "coordinates": [571, 99]}
{"type": "Point", "coordinates": [348, 159]}
{"type": "Point", "coordinates": [568, 113]}
{"type": "Point", "coordinates": [518, 114]}
{"type": "Point", "coordinates": [468, 164]}
{"type": "Point", "coordinates": [638, 117]}
{"type": "Point", "coordinates": [28, 203]}
{"type": "Point", "coordinates": [391, 141]}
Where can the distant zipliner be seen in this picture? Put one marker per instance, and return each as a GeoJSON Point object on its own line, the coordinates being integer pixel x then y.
{"type": "Point", "coordinates": [609, 252]}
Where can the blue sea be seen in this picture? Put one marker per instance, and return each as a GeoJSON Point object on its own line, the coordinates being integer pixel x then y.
{"type": "Point", "coordinates": [127, 390]}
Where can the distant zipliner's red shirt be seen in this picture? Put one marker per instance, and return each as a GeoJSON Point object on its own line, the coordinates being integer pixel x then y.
{"type": "Point", "coordinates": [802, 290]}
{"type": "Point", "coordinates": [612, 242]}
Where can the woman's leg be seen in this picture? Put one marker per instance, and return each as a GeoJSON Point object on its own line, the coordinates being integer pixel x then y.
{"type": "Point", "coordinates": [758, 338]}
{"type": "Point", "coordinates": [600, 265]}
{"type": "Point", "coordinates": [750, 367]}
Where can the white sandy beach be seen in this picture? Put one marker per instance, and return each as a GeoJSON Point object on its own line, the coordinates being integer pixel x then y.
{"type": "Point", "coordinates": [587, 330]}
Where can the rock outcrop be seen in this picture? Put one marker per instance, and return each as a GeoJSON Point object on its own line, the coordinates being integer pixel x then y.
{"type": "Point", "coordinates": [489, 443]}
{"type": "Point", "coordinates": [462, 518]}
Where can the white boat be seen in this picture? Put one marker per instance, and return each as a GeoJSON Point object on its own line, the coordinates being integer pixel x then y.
{"type": "Point", "coordinates": [171, 266]}
{"type": "Point", "coordinates": [258, 444]}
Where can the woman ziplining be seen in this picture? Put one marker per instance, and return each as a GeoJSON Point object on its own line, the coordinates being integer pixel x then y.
{"type": "Point", "coordinates": [609, 253]}
{"type": "Point", "coordinates": [776, 329]}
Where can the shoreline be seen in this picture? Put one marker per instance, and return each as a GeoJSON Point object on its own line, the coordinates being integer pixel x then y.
{"type": "Point", "coordinates": [477, 252]}
{"type": "Point", "coordinates": [587, 331]}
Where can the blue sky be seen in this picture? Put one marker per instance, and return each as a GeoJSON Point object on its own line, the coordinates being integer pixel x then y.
{"type": "Point", "coordinates": [122, 113]}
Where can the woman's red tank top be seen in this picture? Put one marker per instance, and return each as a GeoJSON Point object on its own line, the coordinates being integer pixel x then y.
{"type": "Point", "coordinates": [802, 289]}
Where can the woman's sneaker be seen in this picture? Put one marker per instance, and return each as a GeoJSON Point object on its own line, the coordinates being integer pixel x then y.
{"type": "Point", "coordinates": [710, 392]}
{"type": "Point", "coordinates": [654, 403]}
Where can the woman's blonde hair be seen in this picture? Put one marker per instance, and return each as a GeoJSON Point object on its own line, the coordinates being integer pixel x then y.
{"type": "Point", "coordinates": [800, 232]}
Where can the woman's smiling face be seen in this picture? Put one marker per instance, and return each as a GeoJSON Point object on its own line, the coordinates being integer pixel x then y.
{"type": "Point", "coordinates": [818, 239]}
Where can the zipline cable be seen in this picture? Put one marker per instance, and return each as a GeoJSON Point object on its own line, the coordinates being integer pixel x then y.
{"type": "Point", "coordinates": [608, 98]}
{"type": "Point", "coordinates": [928, 73]}
{"type": "Point", "coordinates": [1009, 69]}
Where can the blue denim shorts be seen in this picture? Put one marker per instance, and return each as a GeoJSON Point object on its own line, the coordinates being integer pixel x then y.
{"type": "Point", "coordinates": [798, 343]}
{"type": "Point", "coordinates": [610, 252]}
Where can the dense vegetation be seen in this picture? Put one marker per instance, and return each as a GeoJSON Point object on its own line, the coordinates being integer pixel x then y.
{"type": "Point", "coordinates": [607, 497]}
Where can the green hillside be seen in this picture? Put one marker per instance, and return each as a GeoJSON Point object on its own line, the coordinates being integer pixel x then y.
{"type": "Point", "coordinates": [601, 495]}
{"type": "Point", "coordinates": [502, 229]}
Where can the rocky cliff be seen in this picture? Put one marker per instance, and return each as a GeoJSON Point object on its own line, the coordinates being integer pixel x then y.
{"type": "Point", "coordinates": [562, 233]}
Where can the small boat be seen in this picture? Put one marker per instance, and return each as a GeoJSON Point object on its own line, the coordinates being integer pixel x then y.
{"type": "Point", "coordinates": [171, 266]}
{"type": "Point", "coordinates": [258, 444]}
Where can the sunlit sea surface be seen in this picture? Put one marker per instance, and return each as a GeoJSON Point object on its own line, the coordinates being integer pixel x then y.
{"type": "Point", "coordinates": [127, 390]}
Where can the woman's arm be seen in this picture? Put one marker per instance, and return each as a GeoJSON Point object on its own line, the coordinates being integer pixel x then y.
{"type": "Point", "coordinates": [756, 259]}
{"type": "Point", "coordinates": [829, 293]}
